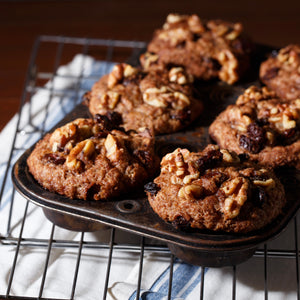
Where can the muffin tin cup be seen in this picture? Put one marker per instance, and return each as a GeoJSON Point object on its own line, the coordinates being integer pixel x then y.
{"type": "Point", "coordinates": [133, 213]}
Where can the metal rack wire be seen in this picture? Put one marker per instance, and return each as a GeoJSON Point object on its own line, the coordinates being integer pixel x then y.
{"type": "Point", "coordinates": [12, 237]}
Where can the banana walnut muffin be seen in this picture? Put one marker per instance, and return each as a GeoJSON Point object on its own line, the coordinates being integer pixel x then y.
{"type": "Point", "coordinates": [92, 159]}
{"type": "Point", "coordinates": [215, 189]}
{"type": "Point", "coordinates": [262, 126]}
{"type": "Point", "coordinates": [161, 99]}
{"type": "Point", "coordinates": [281, 72]}
{"type": "Point", "coordinates": [207, 49]}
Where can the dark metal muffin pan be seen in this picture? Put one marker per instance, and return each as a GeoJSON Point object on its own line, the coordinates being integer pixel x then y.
{"type": "Point", "coordinates": [133, 213]}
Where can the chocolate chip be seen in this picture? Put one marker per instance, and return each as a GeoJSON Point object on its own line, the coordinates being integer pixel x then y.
{"type": "Point", "coordinates": [55, 158]}
{"type": "Point", "coordinates": [181, 223]}
{"type": "Point", "coordinates": [152, 188]}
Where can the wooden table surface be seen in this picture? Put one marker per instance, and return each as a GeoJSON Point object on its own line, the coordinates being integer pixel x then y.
{"type": "Point", "coordinates": [270, 22]}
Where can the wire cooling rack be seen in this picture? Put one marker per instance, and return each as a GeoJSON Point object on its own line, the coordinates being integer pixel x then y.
{"type": "Point", "coordinates": [13, 237]}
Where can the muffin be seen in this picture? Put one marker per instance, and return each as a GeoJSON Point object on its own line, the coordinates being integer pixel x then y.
{"type": "Point", "coordinates": [281, 72]}
{"type": "Point", "coordinates": [207, 49]}
{"type": "Point", "coordinates": [161, 100]}
{"type": "Point", "coordinates": [93, 159]}
{"type": "Point", "coordinates": [215, 189]}
{"type": "Point", "coordinates": [262, 126]}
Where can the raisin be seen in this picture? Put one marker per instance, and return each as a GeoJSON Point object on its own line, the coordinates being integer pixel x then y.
{"type": "Point", "coordinates": [110, 121]}
{"type": "Point", "coordinates": [144, 157]}
{"type": "Point", "coordinates": [254, 140]}
{"type": "Point", "coordinates": [256, 132]}
{"type": "Point", "coordinates": [258, 196]}
{"type": "Point", "coordinates": [181, 223]}
{"type": "Point", "coordinates": [55, 158]}
{"type": "Point", "coordinates": [208, 161]}
{"type": "Point", "coordinates": [152, 188]}
{"type": "Point", "coordinates": [270, 73]}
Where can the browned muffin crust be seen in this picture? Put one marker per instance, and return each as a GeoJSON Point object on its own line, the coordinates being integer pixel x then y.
{"type": "Point", "coordinates": [214, 190]}
{"type": "Point", "coordinates": [161, 100]}
{"type": "Point", "coordinates": [262, 126]}
{"type": "Point", "coordinates": [212, 49]}
{"type": "Point", "coordinates": [92, 160]}
{"type": "Point", "coordinates": [281, 72]}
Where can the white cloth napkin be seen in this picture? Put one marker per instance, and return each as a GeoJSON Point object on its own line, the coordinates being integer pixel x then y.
{"type": "Point", "coordinates": [281, 272]}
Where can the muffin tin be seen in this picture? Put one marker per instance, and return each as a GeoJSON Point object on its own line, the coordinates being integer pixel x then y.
{"type": "Point", "coordinates": [133, 213]}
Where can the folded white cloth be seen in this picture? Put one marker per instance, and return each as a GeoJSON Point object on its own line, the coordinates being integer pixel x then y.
{"type": "Point", "coordinates": [81, 74]}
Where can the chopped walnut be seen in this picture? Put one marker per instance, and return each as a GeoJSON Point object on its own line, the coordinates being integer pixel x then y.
{"type": "Point", "coordinates": [81, 152]}
{"type": "Point", "coordinates": [119, 72]}
{"type": "Point", "coordinates": [236, 191]}
{"type": "Point", "coordinates": [149, 59]}
{"type": "Point", "coordinates": [174, 36]}
{"type": "Point", "coordinates": [111, 147]}
{"type": "Point", "coordinates": [115, 76]}
{"type": "Point", "coordinates": [109, 99]}
{"type": "Point", "coordinates": [175, 18]}
{"type": "Point", "coordinates": [269, 183]}
{"type": "Point", "coordinates": [61, 136]}
{"type": "Point", "coordinates": [175, 162]}
{"type": "Point", "coordinates": [165, 96]}
{"type": "Point", "coordinates": [229, 156]}
{"type": "Point", "coordinates": [191, 191]}
{"type": "Point", "coordinates": [178, 75]}
{"type": "Point", "coordinates": [229, 68]}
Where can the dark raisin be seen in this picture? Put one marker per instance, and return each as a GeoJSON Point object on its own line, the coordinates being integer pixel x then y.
{"type": "Point", "coordinates": [256, 132]}
{"type": "Point", "coordinates": [144, 157]}
{"type": "Point", "coordinates": [152, 188]}
{"type": "Point", "coordinates": [55, 158]}
{"type": "Point", "coordinates": [254, 140]}
{"type": "Point", "coordinates": [110, 121]}
{"type": "Point", "coordinates": [270, 73]}
{"type": "Point", "coordinates": [258, 196]}
{"type": "Point", "coordinates": [183, 116]}
{"type": "Point", "coordinates": [181, 223]}
{"type": "Point", "coordinates": [249, 144]}
{"type": "Point", "coordinates": [210, 160]}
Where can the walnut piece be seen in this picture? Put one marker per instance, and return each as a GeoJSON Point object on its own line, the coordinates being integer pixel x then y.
{"type": "Point", "coordinates": [235, 191]}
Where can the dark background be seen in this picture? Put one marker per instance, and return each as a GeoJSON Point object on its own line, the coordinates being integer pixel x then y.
{"type": "Point", "coordinates": [275, 23]}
